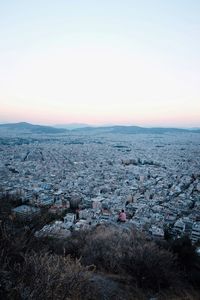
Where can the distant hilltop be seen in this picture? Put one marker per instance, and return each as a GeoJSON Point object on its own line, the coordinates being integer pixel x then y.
{"type": "Point", "coordinates": [83, 128]}
{"type": "Point", "coordinates": [23, 126]}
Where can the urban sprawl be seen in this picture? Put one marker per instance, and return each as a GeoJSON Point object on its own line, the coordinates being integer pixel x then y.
{"type": "Point", "coordinates": [154, 178]}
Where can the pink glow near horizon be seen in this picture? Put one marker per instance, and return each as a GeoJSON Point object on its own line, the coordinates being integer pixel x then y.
{"type": "Point", "coordinates": [97, 88]}
{"type": "Point", "coordinates": [39, 117]}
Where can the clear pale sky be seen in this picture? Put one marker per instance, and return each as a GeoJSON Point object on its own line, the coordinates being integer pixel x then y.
{"type": "Point", "coordinates": [100, 62]}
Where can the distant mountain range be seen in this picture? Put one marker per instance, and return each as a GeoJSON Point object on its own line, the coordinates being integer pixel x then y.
{"type": "Point", "coordinates": [23, 126]}
{"type": "Point", "coordinates": [82, 128]}
{"type": "Point", "coordinates": [134, 130]}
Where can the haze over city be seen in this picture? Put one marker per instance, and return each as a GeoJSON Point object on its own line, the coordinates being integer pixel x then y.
{"type": "Point", "coordinates": [105, 62]}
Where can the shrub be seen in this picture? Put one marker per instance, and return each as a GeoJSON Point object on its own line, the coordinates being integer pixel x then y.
{"type": "Point", "coordinates": [185, 251]}
{"type": "Point", "coordinates": [124, 251]}
{"type": "Point", "coordinates": [151, 267]}
{"type": "Point", "coordinates": [47, 276]}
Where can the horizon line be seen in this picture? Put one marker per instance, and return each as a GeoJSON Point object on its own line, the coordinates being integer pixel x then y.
{"type": "Point", "coordinates": [103, 125]}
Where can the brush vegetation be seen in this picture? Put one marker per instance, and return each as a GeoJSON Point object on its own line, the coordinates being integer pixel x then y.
{"type": "Point", "coordinates": [105, 262]}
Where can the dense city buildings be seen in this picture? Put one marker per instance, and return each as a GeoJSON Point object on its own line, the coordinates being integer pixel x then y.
{"type": "Point", "coordinates": [155, 178]}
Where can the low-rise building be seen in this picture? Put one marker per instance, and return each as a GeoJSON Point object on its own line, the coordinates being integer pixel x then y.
{"type": "Point", "coordinates": [26, 212]}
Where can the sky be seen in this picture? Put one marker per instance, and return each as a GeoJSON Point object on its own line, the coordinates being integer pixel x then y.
{"type": "Point", "coordinates": [100, 62]}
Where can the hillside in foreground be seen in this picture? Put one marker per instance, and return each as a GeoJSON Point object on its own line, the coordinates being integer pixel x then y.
{"type": "Point", "coordinates": [106, 262]}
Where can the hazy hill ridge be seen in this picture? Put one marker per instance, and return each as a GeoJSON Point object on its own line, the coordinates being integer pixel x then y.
{"type": "Point", "coordinates": [115, 129]}
{"type": "Point", "coordinates": [23, 126]}
{"type": "Point", "coordinates": [134, 130]}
